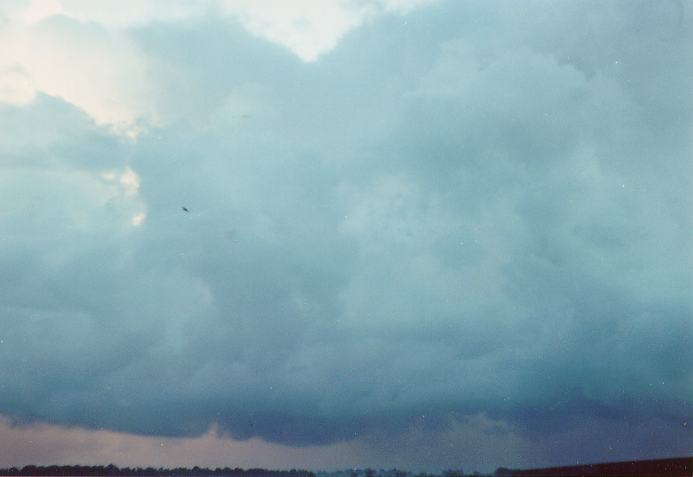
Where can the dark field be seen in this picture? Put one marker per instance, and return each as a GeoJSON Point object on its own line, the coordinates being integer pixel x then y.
{"type": "Point", "coordinates": [675, 467]}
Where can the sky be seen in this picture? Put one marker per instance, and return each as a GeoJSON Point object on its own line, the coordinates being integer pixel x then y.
{"type": "Point", "coordinates": [424, 234]}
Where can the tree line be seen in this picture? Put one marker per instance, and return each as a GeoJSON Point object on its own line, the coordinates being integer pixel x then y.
{"type": "Point", "coordinates": [112, 470]}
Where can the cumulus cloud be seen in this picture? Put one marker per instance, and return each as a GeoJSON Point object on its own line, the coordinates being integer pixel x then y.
{"type": "Point", "coordinates": [459, 228]}
{"type": "Point", "coordinates": [310, 28]}
{"type": "Point", "coordinates": [79, 51]}
{"type": "Point", "coordinates": [99, 71]}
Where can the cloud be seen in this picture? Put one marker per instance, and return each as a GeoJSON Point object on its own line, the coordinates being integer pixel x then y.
{"type": "Point", "coordinates": [35, 11]}
{"type": "Point", "coordinates": [100, 72]}
{"type": "Point", "coordinates": [80, 51]}
{"type": "Point", "coordinates": [106, 13]}
{"type": "Point", "coordinates": [48, 445]}
{"type": "Point", "coordinates": [447, 231]}
{"type": "Point", "coordinates": [16, 87]}
{"type": "Point", "coordinates": [471, 444]}
{"type": "Point", "coordinates": [310, 28]}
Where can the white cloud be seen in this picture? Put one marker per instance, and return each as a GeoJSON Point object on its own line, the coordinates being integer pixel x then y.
{"type": "Point", "coordinates": [138, 219]}
{"type": "Point", "coordinates": [310, 28]}
{"type": "Point", "coordinates": [127, 181]}
{"type": "Point", "coordinates": [16, 86]}
{"type": "Point", "coordinates": [81, 52]}
{"type": "Point", "coordinates": [38, 10]}
{"type": "Point", "coordinates": [130, 182]}
{"type": "Point", "coordinates": [403, 6]}
{"type": "Point", "coordinates": [109, 13]}
{"type": "Point", "coordinates": [98, 71]}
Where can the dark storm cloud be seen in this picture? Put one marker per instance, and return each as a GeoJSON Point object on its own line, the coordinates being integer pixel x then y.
{"type": "Point", "coordinates": [471, 210]}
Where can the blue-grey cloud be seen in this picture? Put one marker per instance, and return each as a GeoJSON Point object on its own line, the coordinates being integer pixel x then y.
{"type": "Point", "coordinates": [470, 210]}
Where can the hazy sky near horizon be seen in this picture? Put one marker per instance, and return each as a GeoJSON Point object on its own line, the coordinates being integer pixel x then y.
{"type": "Point", "coordinates": [420, 233]}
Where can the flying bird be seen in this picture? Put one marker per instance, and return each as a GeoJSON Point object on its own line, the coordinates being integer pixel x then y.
{"type": "Point", "coordinates": [185, 209]}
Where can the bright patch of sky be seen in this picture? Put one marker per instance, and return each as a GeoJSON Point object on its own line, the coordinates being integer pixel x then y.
{"type": "Point", "coordinates": [76, 50]}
